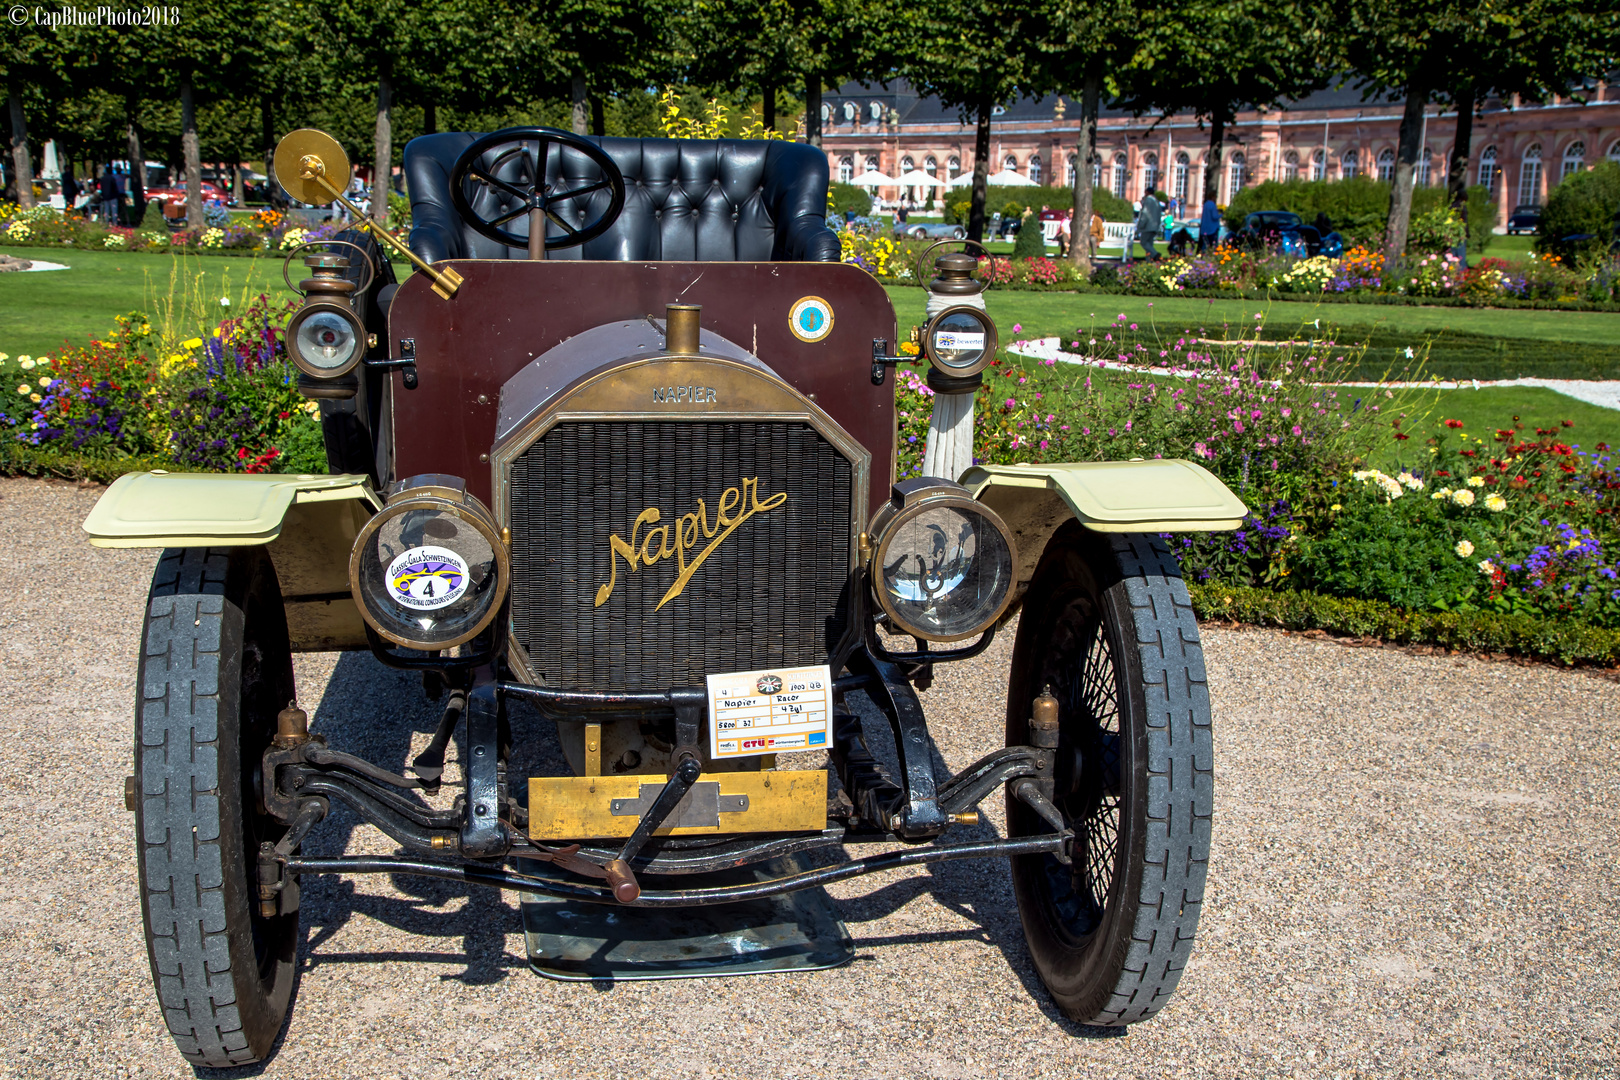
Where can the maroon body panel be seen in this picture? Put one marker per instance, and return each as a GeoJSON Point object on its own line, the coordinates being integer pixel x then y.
{"type": "Point", "coordinates": [509, 312]}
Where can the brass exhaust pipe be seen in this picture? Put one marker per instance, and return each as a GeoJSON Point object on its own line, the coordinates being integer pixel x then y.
{"type": "Point", "coordinates": [681, 329]}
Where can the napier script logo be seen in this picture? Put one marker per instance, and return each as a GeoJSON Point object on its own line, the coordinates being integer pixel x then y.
{"type": "Point", "coordinates": [677, 539]}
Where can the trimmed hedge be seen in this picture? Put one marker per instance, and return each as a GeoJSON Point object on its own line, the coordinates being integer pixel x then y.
{"type": "Point", "coordinates": [1271, 295]}
{"type": "Point", "coordinates": [19, 459]}
{"type": "Point", "coordinates": [1561, 641]}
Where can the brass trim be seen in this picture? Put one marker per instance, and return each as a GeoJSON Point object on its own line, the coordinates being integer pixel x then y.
{"type": "Point", "coordinates": [682, 324]}
{"type": "Point", "coordinates": [884, 524]}
{"type": "Point", "coordinates": [581, 807]}
{"type": "Point", "coordinates": [467, 508]}
{"type": "Point", "coordinates": [793, 320]}
{"type": "Point", "coordinates": [739, 384]}
{"type": "Point", "coordinates": [964, 370]}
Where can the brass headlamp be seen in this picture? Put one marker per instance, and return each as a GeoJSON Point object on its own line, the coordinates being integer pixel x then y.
{"type": "Point", "coordinates": [325, 338]}
{"type": "Point", "coordinates": [960, 338]}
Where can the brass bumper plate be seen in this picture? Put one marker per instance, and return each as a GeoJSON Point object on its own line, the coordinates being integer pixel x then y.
{"type": "Point", "coordinates": [605, 807]}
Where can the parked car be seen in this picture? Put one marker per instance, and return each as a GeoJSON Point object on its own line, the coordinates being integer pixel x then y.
{"type": "Point", "coordinates": [176, 195]}
{"type": "Point", "coordinates": [930, 230]}
{"type": "Point", "coordinates": [1524, 219]}
{"type": "Point", "coordinates": [532, 536]}
{"type": "Point", "coordinates": [1287, 231]}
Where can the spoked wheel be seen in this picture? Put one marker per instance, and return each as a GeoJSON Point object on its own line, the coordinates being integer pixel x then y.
{"type": "Point", "coordinates": [215, 670]}
{"type": "Point", "coordinates": [1108, 625]}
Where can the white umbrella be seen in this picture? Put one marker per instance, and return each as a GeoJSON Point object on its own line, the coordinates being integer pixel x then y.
{"type": "Point", "coordinates": [1008, 178]}
{"type": "Point", "coordinates": [918, 178]}
{"type": "Point", "coordinates": [873, 178]}
{"type": "Point", "coordinates": [961, 180]}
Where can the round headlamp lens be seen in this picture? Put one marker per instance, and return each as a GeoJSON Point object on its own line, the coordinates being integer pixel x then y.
{"type": "Point", "coordinates": [945, 571]}
{"type": "Point", "coordinates": [326, 342]}
{"type": "Point", "coordinates": [429, 573]}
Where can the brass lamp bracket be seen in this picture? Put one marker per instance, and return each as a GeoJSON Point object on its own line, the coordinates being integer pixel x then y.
{"type": "Point", "coordinates": [307, 159]}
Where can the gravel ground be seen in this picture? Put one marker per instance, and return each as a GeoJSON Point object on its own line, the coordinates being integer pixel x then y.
{"type": "Point", "coordinates": [1413, 875]}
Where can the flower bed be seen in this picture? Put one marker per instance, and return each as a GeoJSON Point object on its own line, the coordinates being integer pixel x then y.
{"type": "Point", "coordinates": [263, 231]}
{"type": "Point", "coordinates": [1351, 498]}
{"type": "Point", "coordinates": [224, 402]}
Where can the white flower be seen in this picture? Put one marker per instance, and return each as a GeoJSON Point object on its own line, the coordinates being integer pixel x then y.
{"type": "Point", "coordinates": [1476, 481]}
{"type": "Point", "coordinates": [1487, 567]}
{"type": "Point", "coordinates": [1495, 503]}
{"type": "Point", "coordinates": [1410, 482]}
{"type": "Point", "coordinates": [24, 388]}
{"type": "Point", "coordinates": [1409, 352]}
{"type": "Point", "coordinates": [1464, 549]}
{"type": "Point", "coordinates": [1463, 497]}
{"type": "Point", "coordinates": [224, 301]}
{"type": "Point", "coordinates": [25, 363]}
{"type": "Point", "coordinates": [1441, 495]}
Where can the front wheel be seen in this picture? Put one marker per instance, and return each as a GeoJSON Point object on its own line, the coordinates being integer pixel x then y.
{"type": "Point", "coordinates": [1108, 625]}
{"type": "Point", "coordinates": [215, 669]}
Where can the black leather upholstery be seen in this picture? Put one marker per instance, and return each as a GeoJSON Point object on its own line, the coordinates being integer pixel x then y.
{"type": "Point", "coordinates": [710, 200]}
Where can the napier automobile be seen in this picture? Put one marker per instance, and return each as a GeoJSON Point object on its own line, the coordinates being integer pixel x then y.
{"type": "Point", "coordinates": [615, 468]}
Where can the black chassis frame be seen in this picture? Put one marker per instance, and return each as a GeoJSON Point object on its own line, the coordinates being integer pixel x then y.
{"type": "Point", "coordinates": [301, 775]}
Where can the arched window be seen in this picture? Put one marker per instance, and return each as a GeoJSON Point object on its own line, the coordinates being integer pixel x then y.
{"type": "Point", "coordinates": [954, 166]}
{"type": "Point", "coordinates": [875, 110]}
{"type": "Point", "coordinates": [1009, 164]}
{"type": "Point", "coordinates": [1349, 164]}
{"type": "Point", "coordinates": [826, 113]}
{"type": "Point", "coordinates": [1180, 177]}
{"type": "Point", "coordinates": [1386, 166]}
{"type": "Point", "coordinates": [1614, 151]}
{"type": "Point", "coordinates": [1068, 178]}
{"type": "Point", "coordinates": [906, 164]}
{"type": "Point", "coordinates": [1150, 174]}
{"type": "Point", "coordinates": [871, 163]}
{"type": "Point", "coordinates": [1530, 176]}
{"type": "Point", "coordinates": [1120, 171]}
{"type": "Point", "coordinates": [1318, 164]}
{"type": "Point", "coordinates": [1035, 169]}
{"type": "Point", "coordinates": [1096, 171]}
{"type": "Point", "coordinates": [1574, 159]}
{"type": "Point", "coordinates": [1236, 173]}
{"type": "Point", "coordinates": [846, 170]}
{"type": "Point", "coordinates": [1290, 166]}
{"type": "Point", "coordinates": [931, 165]}
{"type": "Point", "coordinates": [1420, 172]}
{"type": "Point", "coordinates": [851, 111]}
{"type": "Point", "coordinates": [1489, 173]}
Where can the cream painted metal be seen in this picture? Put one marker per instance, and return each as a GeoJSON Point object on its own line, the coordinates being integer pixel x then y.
{"type": "Point", "coordinates": [1162, 495]}
{"type": "Point", "coordinates": [163, 509]}
{"type": "Point", "coordinates": [949, 451]}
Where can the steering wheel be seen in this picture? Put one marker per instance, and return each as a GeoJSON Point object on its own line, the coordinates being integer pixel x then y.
{"type": "Point", "coordinates": [519, 172]}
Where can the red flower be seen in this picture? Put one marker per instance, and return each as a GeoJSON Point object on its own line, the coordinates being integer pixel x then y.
{"type": "Point", "coordinates": [1402, 435]}
{"type": "Point", "coordinates": [1567, 423]}
{"type": "Point", "coordinates": [1454, 423]}
{"type": "Point", "coordinates": [241, 455]}
{"type": "Point", "coordinates": [282, 415]}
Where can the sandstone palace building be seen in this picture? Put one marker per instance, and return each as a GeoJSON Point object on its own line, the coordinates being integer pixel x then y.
{"type": "Point", "coordinates": [1519, 150]}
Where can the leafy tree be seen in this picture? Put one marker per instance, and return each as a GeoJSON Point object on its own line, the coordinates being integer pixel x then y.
{"type": "Point", "coordinates": [29, 75]}
{"type": "Point", "coordinates": [1585, 205]}
{"type": "Point", "coordinates": [974, 55]}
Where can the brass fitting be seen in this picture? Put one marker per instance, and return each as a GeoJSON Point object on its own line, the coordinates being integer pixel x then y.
{"type": "Point", "coordinates": [966, 817]}
{"type": "Point", "coordinates": [292, 727]}
{"type": "Point", "coordinates": [1043, 721]}
{"type": "Point", "coordinates": [681, 329]}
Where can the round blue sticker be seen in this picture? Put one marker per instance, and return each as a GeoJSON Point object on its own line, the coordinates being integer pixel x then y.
{"type": "Point", "coordinates": [811, 319]}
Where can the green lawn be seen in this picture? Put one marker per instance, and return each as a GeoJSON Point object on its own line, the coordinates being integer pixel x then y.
{"type": "Point", "coordinates": [38, 311]}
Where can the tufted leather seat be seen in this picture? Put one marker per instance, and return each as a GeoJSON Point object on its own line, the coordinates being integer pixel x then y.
{"type": "Point", "coordinates": [709, 200]}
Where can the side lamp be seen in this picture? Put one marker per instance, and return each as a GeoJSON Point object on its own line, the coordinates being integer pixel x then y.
{"type": "Point", "coordinates": [325, 338]}
{"type": "Point", "coordinates": [960, 338]}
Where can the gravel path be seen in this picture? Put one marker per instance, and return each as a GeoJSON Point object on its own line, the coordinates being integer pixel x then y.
{"type": "Point", "coordinates": [1413, 875]}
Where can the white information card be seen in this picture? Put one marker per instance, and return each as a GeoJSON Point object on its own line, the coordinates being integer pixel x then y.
{"type": "Point", "coordinates": [769, 712]}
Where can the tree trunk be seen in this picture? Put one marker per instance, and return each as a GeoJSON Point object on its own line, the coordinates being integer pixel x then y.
{"type": "Point", "coordinates": [581, 95]}
{"type": "Point", "coordinates": [22, 164]}
{"type": "Point", "coordinates": [382, 162]}
{"type": "Point", "coordinates": [767, 106]}
{"type": "Point", "coordinates": [1084, 161]}
{"type": "Point", "coordinates": [190, 153]}
{"type": "Point", "coordinates": [267, 139]}
{"type": "Point", "coordinates": [238, 189]}
{"type": "Point", "coordinates": [1215, 160]}
{"type": "Point", "coordinates": [430, 119]}
{"type": "Point", "coordinates": [598, 118]}
{"type": "Point", "coordinates": [137, 175]}
{"type": "Point", "coordinates": [1457, 168]}
{"type": "Point", "coordinates": [812, 108]}
{"type": "Point", "coordinates": [981, 171]}
{"type": "Point", "coordinates": [1400, 193]}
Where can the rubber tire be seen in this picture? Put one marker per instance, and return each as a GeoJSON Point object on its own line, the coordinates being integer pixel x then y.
{"type": "Point", "coordinates": [1123, 967]}
{"type": "Point", "coordinates": [215, 670]}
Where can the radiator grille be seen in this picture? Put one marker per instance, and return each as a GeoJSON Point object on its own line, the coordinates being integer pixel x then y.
{"type": "Point", "coordinates": [772, 594]}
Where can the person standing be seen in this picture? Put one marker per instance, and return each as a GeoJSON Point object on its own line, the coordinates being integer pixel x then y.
{"type": "Point", "coordinates": [1148, 225]}
{"type": "Point", "coordinates": [1209, 227]}
{"type": "Point", "coordinates": [1097, 232]}
{"type": "Point", "coordinates": [107, 191]}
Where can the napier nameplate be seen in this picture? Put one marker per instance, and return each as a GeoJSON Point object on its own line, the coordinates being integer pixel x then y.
{"type": "Point", "coordinates": [733, 508]}
{"type": "Point", "coordinates": [701, 808]}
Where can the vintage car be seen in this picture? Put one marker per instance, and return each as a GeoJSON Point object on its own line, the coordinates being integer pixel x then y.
{"type": "Point", "coordinates": [615, 468]}
{"type": "Point", "coordinates": [929, 230]}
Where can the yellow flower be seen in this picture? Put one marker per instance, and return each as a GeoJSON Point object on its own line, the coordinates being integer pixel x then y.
{"type": "Point", "coordinates": [194, 343]}
{"type": "Point", "coordinates": [1464, 549]}
{"type": "Point", "coordinates": [24, 388]}
{"type": "Point", "coordinates": [25, 364]}
{"type": "Point", "coordinates": [1495, 503]}
{"type": "Point", "coordinates": [1476, 481]}
{"type": "Point", "coordinates": [1463, 497]}
{"type": "Point", "coordinates": [24, 359]}
{"type": "Point", "coordinates": [35, 398]}
{"type": "Point", "coordinates": [1335, 507]}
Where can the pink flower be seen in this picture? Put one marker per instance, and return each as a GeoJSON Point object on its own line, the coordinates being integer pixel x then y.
{"type": "Point", "coordinates": [1018, 328]}
{"type": "Point", "coordinates": [1298, 430]}
{"type": "Point", "coordinates": [1237, 426]}
{"type": "Point", "coordinates": [1043, 444]}
{"type": "Point", "coordinates": [1011, 403]}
